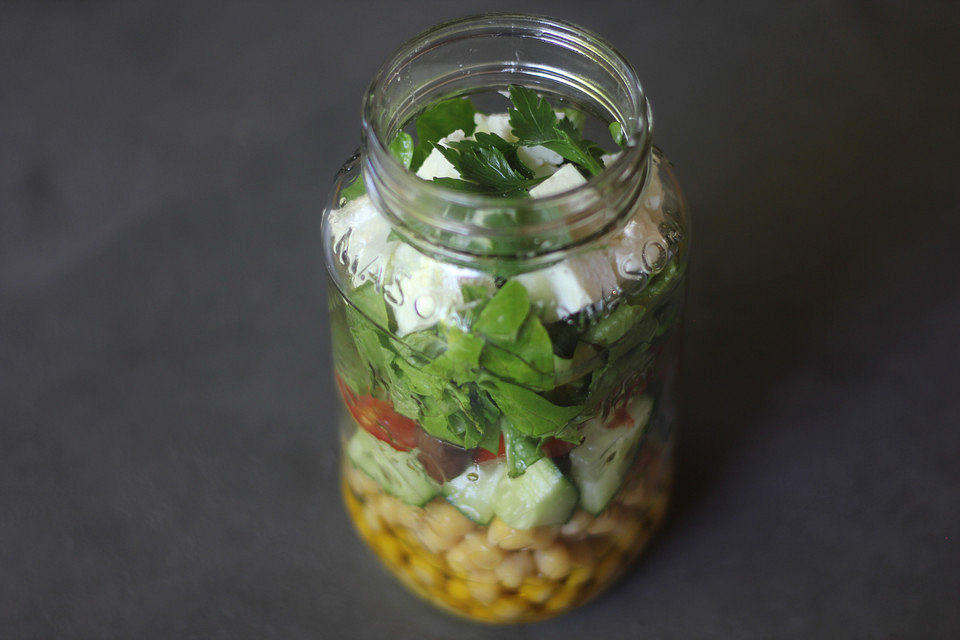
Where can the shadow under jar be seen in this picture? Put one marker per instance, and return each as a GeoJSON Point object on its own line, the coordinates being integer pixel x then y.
{"type": "Point", "coordinates": [506, 364]}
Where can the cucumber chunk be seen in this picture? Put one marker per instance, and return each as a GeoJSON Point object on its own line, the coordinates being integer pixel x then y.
{"type": "Point", "coordinates": [473, 491]}
{"type": "Point", "coordinates": [541, 496]}
{"type": "Point", "coordinates": [601, 461]}
{"type": "Point", "coordinates": [399, 473]}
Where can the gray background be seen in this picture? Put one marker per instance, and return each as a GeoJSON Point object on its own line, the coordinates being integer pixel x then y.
{"type": "Point", "coordinates": [167, 460]}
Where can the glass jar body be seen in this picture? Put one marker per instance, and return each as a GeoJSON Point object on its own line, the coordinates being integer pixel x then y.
{"type": "Point", "coordinates": [508, 434]}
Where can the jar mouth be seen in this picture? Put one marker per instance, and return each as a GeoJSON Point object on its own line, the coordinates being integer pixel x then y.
{"type": "Point", "coordinates": [423, 71]}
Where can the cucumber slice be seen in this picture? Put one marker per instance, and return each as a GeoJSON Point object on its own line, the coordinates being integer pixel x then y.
{"type": "Point", "coordinates": [541, 496]}
{"type": "Point", "coordinates": [601, 461]}
{"type": "Point", "coordinates": [473, 491]}
{"type": "Point", "coordinates": [399, 473]}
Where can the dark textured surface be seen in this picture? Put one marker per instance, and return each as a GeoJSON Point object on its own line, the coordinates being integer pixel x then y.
{"type": "Point", "coordinates": [167, 464]}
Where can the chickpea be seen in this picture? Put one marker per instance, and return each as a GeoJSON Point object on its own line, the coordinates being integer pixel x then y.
{"type": "Point", "coordinates": [483, 586]}
{"type": "Point", "coordinates": [658, 507]}
{"type": "Point", "coordinates": [576, 527]}
{"type": "Point", "coordinates": [608, 567]}
{"type": "Point", "coordinates": [480, 553]}
{"type": "Point", "coordinates": [406, 515]}
{"type": "Point", "coordinates": [424, 572]}
{"type": "Point", "coordinates": [514, 568]}
{"type": "Point", "coordinates": [355, 481]}
{"type": "Point", "coordinates": [553, 562]}
{"type": "Point", "coordinates": [629, 535]}
{"type": "Point", "coordinates": [386, 507]}
{"type": "Point", "coordinates": [583, 563]}
{"type": "Point", "coordinates": [537, 590]}
{"type": "Point", "coordinates": [458, 557]}
{"type": "Point", "coordinates": [371, 518]}
{"type": "Point", "coordinates": [506, 537]}
{"type": "Point", "coordinates": [432, 541]}
{"type": "Point", "coordinates": [607, 522]}
{"type": "Point", "coordinates": [446, 520]}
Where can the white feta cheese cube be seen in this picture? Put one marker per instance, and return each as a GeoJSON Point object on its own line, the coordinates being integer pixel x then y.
{"type": "Point", "coordinates": [569, 286]}
{"type": "Point", "coordinates": [498, 123]}
{"type": "Point", "coordinates": [653, 194]}
{"type": "Point", "coordinates": [435, 165]}
{"type": "Point", "coordinates": [429, 290]}
{"type": "Point", "coordinates": [541, 160]}
{"type": "Point", "coordinates": [607, 158]}
{"type": "Point", "coordinates": [566, 178]}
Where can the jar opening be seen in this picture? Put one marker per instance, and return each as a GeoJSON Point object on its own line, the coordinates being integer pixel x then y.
{"type": "Point", "coordinates": [487, 53]}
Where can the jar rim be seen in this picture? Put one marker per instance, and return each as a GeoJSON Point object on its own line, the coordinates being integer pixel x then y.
{"type": "Point", "coordinates": [635, 117]}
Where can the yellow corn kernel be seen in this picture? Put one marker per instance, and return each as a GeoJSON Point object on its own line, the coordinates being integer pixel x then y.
{"type": "Point", "coordinates": [509, 608]}
{"type": "Point", "coordinates": [506, 537]}
{"type": "Point", "coordinates": [458, 590]}
{"type": "Point", "coordinates": [483, 586]}
{"type": "Point", "coordinates": [514, 568]}
{"type": "Point", "coordinates": [424, 572]}
{"type": "Point", "coordinates": [578, 576]}
{"type": "Point", "coordinates": [389, 548]}
{"type": "Point", "coordinates": [553, 562]}
{"type": "Point", "coordinates": [536, 589]}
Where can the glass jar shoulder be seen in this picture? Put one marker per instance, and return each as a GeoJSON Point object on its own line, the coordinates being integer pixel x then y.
{"type": "Point", "coordinates": [368, 259]}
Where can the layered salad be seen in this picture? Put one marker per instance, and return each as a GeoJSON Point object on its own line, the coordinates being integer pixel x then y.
{"type": "Point", "coordinates": [507, 435]}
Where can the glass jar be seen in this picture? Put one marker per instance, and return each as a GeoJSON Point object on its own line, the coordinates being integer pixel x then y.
{"type": "Point", "coordinates": [506, 365]}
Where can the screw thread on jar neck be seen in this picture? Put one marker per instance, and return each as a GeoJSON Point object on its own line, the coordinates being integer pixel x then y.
{"type": "Point", "coordinates": [488, 53]}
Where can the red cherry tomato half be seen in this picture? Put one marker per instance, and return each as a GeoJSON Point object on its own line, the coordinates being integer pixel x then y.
{"type": "Point", "coordinates": [378, 417]}
{"type": "Point", "coordinates": [554, 448]}
{"type": "Point", "coordinates": [482, 455]}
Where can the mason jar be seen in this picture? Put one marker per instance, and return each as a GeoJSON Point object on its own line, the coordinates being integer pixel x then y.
{"type": "Point", "coordinates": [506, 365]}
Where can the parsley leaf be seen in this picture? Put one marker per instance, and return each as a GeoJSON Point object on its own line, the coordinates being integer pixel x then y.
{"type": "Point", "coordinates": [487, 165]}
{"type": "Point", "coordinates": [441, 120]}
{"type": "Point", "coordinates": [503, 316]}
{"type": "Point", "coordinates": [616, 132]}
{"type": "Point", "coordinates": [530, 413]}
{"type": "Point", "coordinates": [535, 123]}
{"type": "Point", "coordinates": [401, 147]}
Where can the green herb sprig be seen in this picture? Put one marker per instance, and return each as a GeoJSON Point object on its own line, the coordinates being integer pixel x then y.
{"type": "Point", "coordinates": [535, 123]}
{"type": "Point", "coordinates": [489, 164]}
